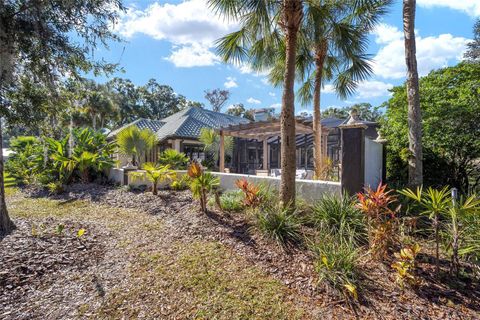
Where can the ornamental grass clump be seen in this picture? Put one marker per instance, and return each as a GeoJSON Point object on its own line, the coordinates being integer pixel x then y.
{"type": "Point", "coordinates": [376, 205]}
{"type": "Point", "coordinates": [336, 263]}
{"type": "Point", "coordinates": [279, 224]}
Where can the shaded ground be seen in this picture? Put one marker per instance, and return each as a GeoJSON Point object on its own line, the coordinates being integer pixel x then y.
{"type": "Point", "coordinates": [146, 256]}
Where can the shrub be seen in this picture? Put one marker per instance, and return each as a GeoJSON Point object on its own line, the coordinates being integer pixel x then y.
{"type": "Point", "coordinates": [56, 187]}
{"type": "Point", "coordinates": [176, 160]}
{"type": "Point", "coordinates": [336, 263]}
{"type": "Point", "coordinates": [405, 265]}
{"type": "Point", "coordinates": [180, 184]}
{"type": "Point", "coordinates": [339, 215]}
{"type": "Point", "coordinates": [279, 224]}
{"type": "Point", "coordinates": [250, 191]}
{"type": "Point", "coordinates": [155, 173]}
{"type": "Point", "coordinates": [232, 201]}
{"type": "Point", "coordinates": [202, 183]}
{"type": "Point", "coordinates": [375, 204]}
{"type": "Point", "coordinates": [21, 165]}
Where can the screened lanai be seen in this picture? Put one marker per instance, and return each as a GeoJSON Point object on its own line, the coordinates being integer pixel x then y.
{"type": "Point", "coordinates": [257, 146]}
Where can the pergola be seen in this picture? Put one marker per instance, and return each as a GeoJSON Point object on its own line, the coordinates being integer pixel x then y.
{"type": "Point", "coordinates": [261, 131]}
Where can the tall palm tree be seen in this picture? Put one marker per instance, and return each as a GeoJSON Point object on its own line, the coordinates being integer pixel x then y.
{"type": "Point", "coordinates": [264, 22]}
{"type": "Point", "coordinates": [415, 162]}
{"type": "Point", "coordinates": [332, 47]}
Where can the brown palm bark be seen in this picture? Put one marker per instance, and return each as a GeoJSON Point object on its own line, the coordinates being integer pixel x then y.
{"type": "Point", "coordinates": [320, 52]}
{"type": "Point", "coordinates": [6, 225]}
{"type": "Point", "coordinates": [415, 164]}
{"type": "Point", "coordinates": [292, 16]}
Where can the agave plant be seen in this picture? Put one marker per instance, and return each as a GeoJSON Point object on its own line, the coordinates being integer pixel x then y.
{"type": "Point", "coordinates": [156, 173]}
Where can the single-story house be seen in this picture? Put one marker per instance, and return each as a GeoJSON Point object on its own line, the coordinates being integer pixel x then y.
{"type": "Point", "coordinates": [181, 131]}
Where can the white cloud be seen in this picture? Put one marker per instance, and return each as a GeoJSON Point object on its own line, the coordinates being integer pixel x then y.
{"type": "Point", "coordinates": [253, 100]}
{"type": "Point", "coordinates": [230, 83]}
{"type": "Point", "coordinates": [432, 52]}
{"type": "Point", "coordinates": [187, 25]}
{"type": "Point", "coordinates": [271, 94]}
{"type": "Point", "coordinates": [373, 89]}
{"type": "Point", "coordinates": [265, 81]}
{"type": "Point", "coordinates": [470, 7]}
{"type": "Point", "coordinates": [192, 55]}
{"type": "Point", "coordinates": [276, 106]}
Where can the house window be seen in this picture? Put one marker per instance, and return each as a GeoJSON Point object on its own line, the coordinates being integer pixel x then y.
{"type": "Point", "coordinates": [194, 151]}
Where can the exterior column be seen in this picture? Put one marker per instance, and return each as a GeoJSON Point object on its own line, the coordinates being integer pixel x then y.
{"type": "Point", "coordinates": [353, 155]}
{"type": "Point", "coordinates": [176, 145]}
{"type": "Point", "coordinates": [222, 151]}
{"type": "Point", "coordinates": [265, 154]}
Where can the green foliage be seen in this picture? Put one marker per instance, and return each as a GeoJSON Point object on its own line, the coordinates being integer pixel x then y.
{"type": "Point", "coordinates": [405, 265]}
{"type": "Point", "coordinates": [135, 142]}
{"type": "Point", "coordinates": [336, 262]}
{"type": "Point", "coordinates": [450, 103]}
{"type": "Point", "coordinates": [156, 173]}
{"type": "Point", "coordinates": [180, 184]}
{"type": "Point", "coordinates": [279, 224]}
{"type": "Point", "coordinates": [232, 201]}
{"type": "Point", "coordinates": [211, 141]}
{"type": "Point", "coordinates": [56, 187]}
{"type": "Point", "coordinates": [365, 112]}
{"type": "Point", "coordinates": [176, 160]}
{"type": "Point", "coordinates": [341, 217]}
{"type": "Point", "coordinates": [21, 163]}
{"type": "Point", "coordinates": [201, 183]}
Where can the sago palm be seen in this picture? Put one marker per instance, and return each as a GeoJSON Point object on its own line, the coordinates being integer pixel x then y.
{"type": "Point", "coordinates": [331, 47]}
{"type": "Point", "coordinates": [135, 142]}
{"type": "Point", "coordinates": [264, 23]}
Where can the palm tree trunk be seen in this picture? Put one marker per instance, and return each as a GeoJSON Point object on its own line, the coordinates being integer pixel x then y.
{"type": "Point", "coordinates": [317, 125]}
{"type": "Point", "coordinates": [155, 188]}
{"type": "Point", "coordinates": [6, 225]}
{"type": "Point", "coordinates": [94, 122]}
{"type": "Point", "coordinates": [415, 164]}
{"type": "Point", "coordinates": [292, 15]}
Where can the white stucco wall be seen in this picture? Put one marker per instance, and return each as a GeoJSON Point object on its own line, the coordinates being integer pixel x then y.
{"type": "Point", "coordinates": [373, 163]}
{"type": "Point", "coordinates": [309, 190]}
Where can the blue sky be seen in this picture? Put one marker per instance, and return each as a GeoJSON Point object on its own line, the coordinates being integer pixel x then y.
{"type": "Point", "coordinates": [172, 41]}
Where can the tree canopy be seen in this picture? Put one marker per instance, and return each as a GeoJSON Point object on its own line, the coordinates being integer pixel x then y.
{"type": "Point", "coordinates": [450, 103]}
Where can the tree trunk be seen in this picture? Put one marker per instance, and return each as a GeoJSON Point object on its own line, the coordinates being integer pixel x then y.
{"type": "Point", "coordinates": [415, 165]}
{"type": "Point", "coordinates": [317, 125]}
{"type": "Point", "coordinates": [6, 225]}
{"type": "Point", "coordinates": [70, 137]}
{"type": "Point", "coordinates": [292, 15]}
{"type": "Point", "coordinates": [155, 188]}
{"type": "Point", "coordinates": [94, 122]}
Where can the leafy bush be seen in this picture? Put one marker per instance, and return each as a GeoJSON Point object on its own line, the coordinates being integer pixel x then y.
{"type": "Point", "coordinates": [21, 164]}
{"type": "Point", "coordinates": [250, 191]}
{"type": "Point", "coordinates": [56, 187]}
{"type": "Point", "coordinates": [405, 265]}
{"type": "Point", "coordinates": [156, 173]}
{"type": "Point", "coordinates": [232, 201]}
{"type": "Point", "coordinates": [279, 224]}
{"type": "Point", "coordinates": [176, 160]}
{"type": "Point", "coordinates": [336, 263]}
{"type": "Point", "coordinates": [375, 204]}
{"type": "Point", "coordinates": [339, 215]}
{"type": "Point", "coordinates": [180, 184]}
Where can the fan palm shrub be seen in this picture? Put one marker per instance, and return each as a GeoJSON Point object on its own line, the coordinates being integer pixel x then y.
{"type": "Point", "coordinates": [211, 141]}
{"type": "Point", "coordinates": [176, 160]}
{"type": "Point", "coordinates": [202, 184]}
{"type": "Point", "coordinates": [155, 173]}
{"type": "Point", "coordinates": [135, 142]}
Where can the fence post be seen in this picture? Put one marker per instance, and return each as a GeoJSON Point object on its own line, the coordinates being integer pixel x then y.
{"type": "Point", "coordinates": [353, 154]}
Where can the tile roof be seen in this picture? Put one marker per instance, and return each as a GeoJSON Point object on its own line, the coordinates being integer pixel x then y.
{"type": "Point", "coordinates": [186, 123]}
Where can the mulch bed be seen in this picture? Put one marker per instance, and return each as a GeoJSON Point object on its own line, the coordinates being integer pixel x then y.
{"type": "Point", "coordinates": [380, 296]}
{"type": "Point", "coordinates": [37, 254]}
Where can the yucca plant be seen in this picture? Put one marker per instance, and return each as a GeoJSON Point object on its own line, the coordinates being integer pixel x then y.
{"type": "Point", "coordinates": [135, 142]}
{"type": "Point", "coordinates": [202, 183]}
{"type": "Point", "coordinates": [434, 203]}
{"type": "Point", "coordinates": [376, 205]}
{"type": "Point", "coordinates": [279, 224]}
{"type": "Point", "coordinates": [156, 173]}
